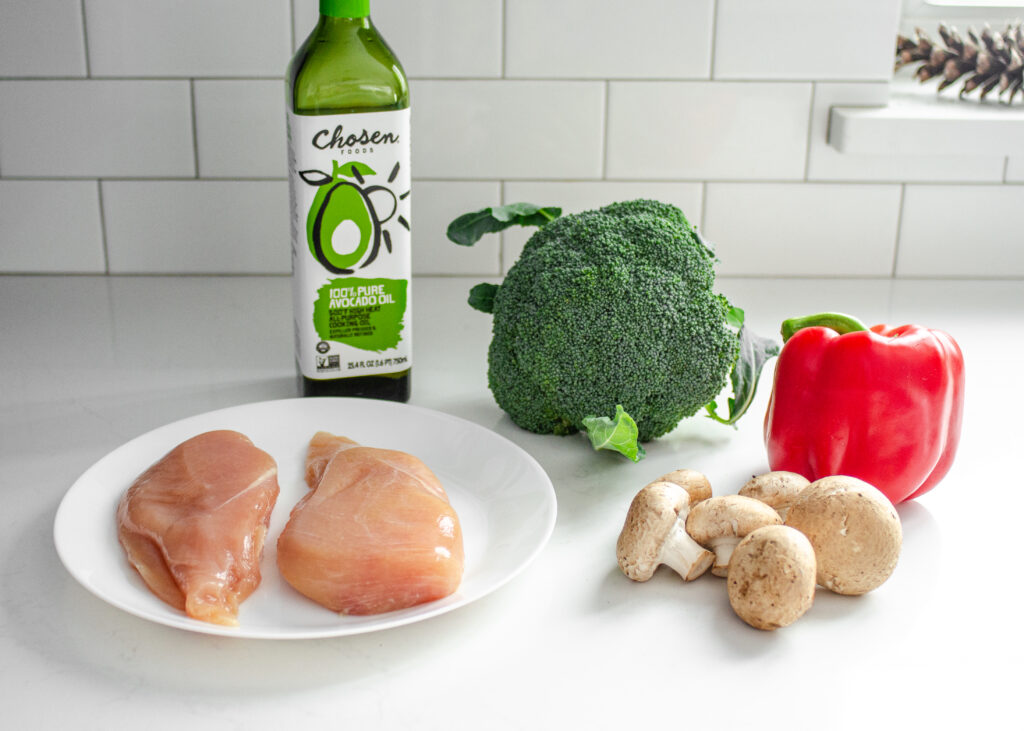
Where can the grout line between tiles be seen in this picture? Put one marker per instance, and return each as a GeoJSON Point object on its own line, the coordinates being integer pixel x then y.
{"type": "Point", "coordinates": [703, 206]}
{"type": "Point", "coordinates": [899, 231]}
{"type": "Point", "coordinates": [502, 77]}
{"type": "Point", "coordinates": [437, 179]}
{"type": "Point", "coordinates": [250, 77]}
{"type": "Point", "coordinates": [502, 200]}
{"type": "Point", "coordinates": [714, 41]}
{"type": "Point", "coordinates": [164, 275]}
{"type": "Point", "coordinates": [606, 138]}
{"type": "Point", "coordinates": [810, 133]}
{"type": "Point", "coordinates": [103, 227]}
{"type": "Point", "coordinates": [195, 127]}
{"type": "Point", "coordinates": [148, 179]}
{"type": "Point", "coordinates": [464, 275]}
{"type": "Point", "coordinates": [85, 41]}
{"type": "Point", "coordinates": [291, 25]}
{"type": "Point", "coordinates": [694, 181]}
{"type": "Point", "coordinates": [504, 37]}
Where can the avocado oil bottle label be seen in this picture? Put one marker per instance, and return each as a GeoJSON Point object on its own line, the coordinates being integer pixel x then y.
{"type": "Point", "coordinates": [350, 198]}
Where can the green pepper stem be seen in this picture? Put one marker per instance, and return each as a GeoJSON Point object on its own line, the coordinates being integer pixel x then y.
{"type": "Point", "coordinates": [837, 321]}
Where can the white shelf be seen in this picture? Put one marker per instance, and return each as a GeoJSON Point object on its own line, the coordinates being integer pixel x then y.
{"type": "Point", "coordinates": [918, 120]}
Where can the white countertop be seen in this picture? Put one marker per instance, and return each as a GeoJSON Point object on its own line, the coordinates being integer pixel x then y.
{"type": "Point", "coordinates": [87, 363]}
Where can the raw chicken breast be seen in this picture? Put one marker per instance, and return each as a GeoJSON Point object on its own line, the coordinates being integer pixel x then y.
{"type": "Point", "coordinates": [194, 523]}
{"type": "Point", "coordinates": [376, 532]}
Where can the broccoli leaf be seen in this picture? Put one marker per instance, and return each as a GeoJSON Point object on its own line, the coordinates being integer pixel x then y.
{"type": "Point", "coordinates": [755, 351]}
{"type": "Point", "coordinates": [618, 434]}
{"type": "Point", "coordinates": [469, 228]}
{"type": "Point", "coordinates": [481, 297]}
{"type": "Point", "coordinates": [735, 317]}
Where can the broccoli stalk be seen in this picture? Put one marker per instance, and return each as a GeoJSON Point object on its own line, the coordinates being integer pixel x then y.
{"type": "Point", "coordinates": [609, 319]}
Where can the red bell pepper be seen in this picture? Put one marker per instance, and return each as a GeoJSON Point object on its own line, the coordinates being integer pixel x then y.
{"type": "Point", "coordinates": [884, 404]}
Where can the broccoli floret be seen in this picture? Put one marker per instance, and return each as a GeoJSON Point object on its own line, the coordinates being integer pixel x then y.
{"type": "Point", "coordinates": [610, 307]}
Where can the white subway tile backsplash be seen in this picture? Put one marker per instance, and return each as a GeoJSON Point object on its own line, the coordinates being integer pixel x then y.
{"type": "Point", "coordinates": [782, 229]}
{"type": "Point", "coordinates": [835, 40]}
{"type": "Point", "coordinates": [197, 226]}
{"type": "Point", "coordinates": [651, 39]}
{"type": "Point", "coordinates": [160, 129]}
{"type": "Point", "coordinates": [95, 129]}
{"type": "Point", "coordinates": [50, 226]}
{"type": "Point", "coordinates": [432, 38]}
{"type": "Point", "coordinates": [573, 197]}
{"type": "Point", "coordinates": [698, 130]}
{"type": "Point", "coordinates": [825, 162]}
{"type": "Point", "coordinates": [961, 231]}
{"type": "Point", "coordinates": [443, 38]}
{"type": "Point", "coordinates": [304, 17]}
{"type": "Point", "coordinates": [435, 204]}
{"type": "Point", "coordinates": [240, 129]}
{"type": "Point", "coordinates": [41, 38]}
{"type": "Point", "coordinates": [195, 38]}
{"type": "Point", "coordinates": [507, 129]}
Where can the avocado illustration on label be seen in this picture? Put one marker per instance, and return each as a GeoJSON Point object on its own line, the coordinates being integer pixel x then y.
{"type": "Point", "coordinates": [344, 227]}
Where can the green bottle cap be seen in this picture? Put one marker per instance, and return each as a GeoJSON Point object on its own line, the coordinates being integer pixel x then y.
{"type": "Point", "coordinates": [345, 8]}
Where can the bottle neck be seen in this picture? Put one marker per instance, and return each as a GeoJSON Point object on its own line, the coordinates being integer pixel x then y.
{"type": "Point", "coordinates": [345, 8]}
{"type": "Point", "coordinates": [338, 29]}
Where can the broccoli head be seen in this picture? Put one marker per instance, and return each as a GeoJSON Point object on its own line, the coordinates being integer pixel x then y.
{"type": "Point", "coordinates": [605, 308]}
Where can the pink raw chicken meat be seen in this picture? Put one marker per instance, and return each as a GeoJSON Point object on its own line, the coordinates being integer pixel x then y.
{"type": "Point", "coordinates": [194, 523]}
{"type": "Point", "coordinates": [376, 533]}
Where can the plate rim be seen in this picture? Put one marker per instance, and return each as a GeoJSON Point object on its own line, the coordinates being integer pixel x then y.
{"type": "Point", "coordinates": [411, 615]}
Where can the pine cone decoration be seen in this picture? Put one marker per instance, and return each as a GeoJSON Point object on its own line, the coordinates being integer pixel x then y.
{"type": "Point", "coordinates": [987, 61]}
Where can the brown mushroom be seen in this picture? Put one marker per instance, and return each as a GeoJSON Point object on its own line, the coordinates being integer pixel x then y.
{"type": "Point", "coordinates": [655, 529]}
{"type": "Point", "coordinates": [855, 532]}
{"type": "Point", "coordinates": [720, 522]}
{"type": "Point", "coordinates": [771, 577]}
{"type": "Point", "coordinates": [778, 489]}
{"type": "Point", "coordinates": [692, 481]}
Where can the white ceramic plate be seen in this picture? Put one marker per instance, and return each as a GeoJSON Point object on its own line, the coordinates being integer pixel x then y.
{"type": "Point", "coordinates": [504, 500]}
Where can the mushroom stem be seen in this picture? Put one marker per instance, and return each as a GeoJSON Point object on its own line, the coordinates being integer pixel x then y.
{"type": "Point", "coordinates": [655, 529]}
{"type": "Point", "coordinates": [720, 522]}
{"type": "Point", "coordinates": [723, 548]}
{"type": "Point", "coordinates": [682, 554]}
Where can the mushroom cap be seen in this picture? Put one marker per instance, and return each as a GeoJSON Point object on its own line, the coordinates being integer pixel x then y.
{"type": "Point", "coordinates": [772, 577]}
{"type": "Point", "coordinates": [778, 489]}
{"type": "Point", "coordinates": [855, 532]}
{"type": "Point", "coordinates": [652, 514]}
{"type": "Point", "coordinates": [728, 516]}
{"type": "Point", "coordinates": [692, 481]}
